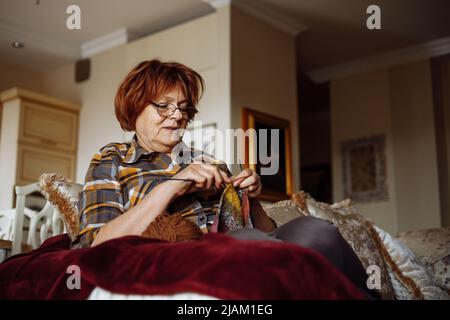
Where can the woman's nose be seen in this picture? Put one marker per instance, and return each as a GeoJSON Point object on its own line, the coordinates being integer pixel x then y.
{"type": "Point", "coordinates": [177, 114]}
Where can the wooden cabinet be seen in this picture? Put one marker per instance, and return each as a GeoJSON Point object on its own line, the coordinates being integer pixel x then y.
{"type": "Point", "coordinates": [32, 161]}
{"type": "Point", "coordinates": [47, 126]}
{"type": "Point", "coordinates": [38, 134]}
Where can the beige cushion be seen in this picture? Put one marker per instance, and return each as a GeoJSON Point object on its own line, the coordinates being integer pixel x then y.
{"type": "Point", "coordinates": [283, 211]}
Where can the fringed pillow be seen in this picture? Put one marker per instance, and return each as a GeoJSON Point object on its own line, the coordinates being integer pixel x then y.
{"type": "Point", "coordinates": [63, 194]}
{"type": "Point", "coordinates": [410, 277]}
{"type": "Point", "coordinates": [432, 247]}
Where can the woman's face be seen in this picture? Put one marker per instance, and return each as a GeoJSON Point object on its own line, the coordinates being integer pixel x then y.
{"type": "Point", "coordinates": [157, 133]}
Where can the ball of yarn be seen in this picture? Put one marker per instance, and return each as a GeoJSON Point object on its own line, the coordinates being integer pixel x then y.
{"type": "Point", "coordinates": [172, 228]}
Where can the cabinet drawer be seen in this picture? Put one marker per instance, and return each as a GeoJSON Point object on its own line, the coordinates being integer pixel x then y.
{"type": "Point", "coordinates": [33, 161]}
{"type": "Point", "coordinates": [47, 126]}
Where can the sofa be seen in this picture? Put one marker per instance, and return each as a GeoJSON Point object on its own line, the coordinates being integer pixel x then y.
{"type": "Point", "coordinates": [410, 265]}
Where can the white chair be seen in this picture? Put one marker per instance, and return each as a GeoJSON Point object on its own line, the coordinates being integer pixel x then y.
{"type": "Point", "coordinates": [45, 223]}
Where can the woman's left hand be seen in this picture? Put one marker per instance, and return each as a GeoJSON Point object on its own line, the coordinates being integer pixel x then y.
{"type": "Point", "coordinates": [248, 178]}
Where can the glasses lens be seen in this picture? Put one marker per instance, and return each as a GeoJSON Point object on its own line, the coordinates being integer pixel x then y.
{"type": "Point", "coordinates": [166, 110]}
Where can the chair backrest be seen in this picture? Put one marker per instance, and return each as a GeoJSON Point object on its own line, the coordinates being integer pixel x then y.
{"type": "Point", "coordinates": [45, 223]}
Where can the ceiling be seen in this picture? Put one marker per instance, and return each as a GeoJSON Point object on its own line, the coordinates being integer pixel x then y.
{"type": "Point", "coordinates": [336, 29]}
{"type": "Point", "coordinates": [48, 42]}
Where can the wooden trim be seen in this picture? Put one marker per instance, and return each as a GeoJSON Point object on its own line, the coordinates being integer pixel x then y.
{"type": "Point", "coordinates": [249, 117]}
{"type": "Point", "coordinates": [19, 93]}
{"type": "Point", "coordinates": [421, 51]}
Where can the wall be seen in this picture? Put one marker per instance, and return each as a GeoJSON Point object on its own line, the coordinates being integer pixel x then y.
{"type": "Point", "coordinates": [398, 102]}
{"type": "Point", "coordinates": [18, 76]}
{"type": "Point", "coordinates": [257, 51]}
{"type": "Point", "coordinates": [441, 101]}
{"type": "Point", "coordinates": [60, 83]}
{"type": "Point", "coordinates": [360, 107]}
{"type": "Point", "coordinates": [413, 129]}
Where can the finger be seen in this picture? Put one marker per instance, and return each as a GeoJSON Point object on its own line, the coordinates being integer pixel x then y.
{"type": "Point", "coordinates": [244, 173]}
{"type": "Point", "coordinates": [237, 181]}
{"type": "Point", "coordinates": [208, 175]}
{"type": "Point", "coordinates": [252, 180]}
{"type": "Point", "coordinates": [225, 176]}
{"type": "Point", "coordinates": [218, 179]}
{"type": "Point", "coordinates": [200, 180]}
{"type": "Point", "coordinates": [255, 193]}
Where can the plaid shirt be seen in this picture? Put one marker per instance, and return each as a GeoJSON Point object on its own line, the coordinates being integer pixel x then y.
{"type": "Point", "coordinates": [119, 177]}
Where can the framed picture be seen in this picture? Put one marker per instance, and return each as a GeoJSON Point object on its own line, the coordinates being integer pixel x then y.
{"type": "Point", "coordinates": [364, 169]}
{"type": "Point", "coordinates": [202, 138]}
{"type": "Point", "coordinates": [278, 185]}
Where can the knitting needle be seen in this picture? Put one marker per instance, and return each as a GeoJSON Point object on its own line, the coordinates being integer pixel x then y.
{"type": "Point", "coordinates": [242, 169]}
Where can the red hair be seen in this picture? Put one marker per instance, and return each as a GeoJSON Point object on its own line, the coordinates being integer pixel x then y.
{"type": "Point", "coordinates": [147, 82]}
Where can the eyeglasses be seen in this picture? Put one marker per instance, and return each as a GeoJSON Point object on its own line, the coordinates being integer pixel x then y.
{"type": "Point", "coordinates": [166, 109]}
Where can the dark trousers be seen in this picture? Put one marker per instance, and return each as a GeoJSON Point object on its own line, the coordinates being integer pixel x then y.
{"type": "Point", "coordinates": [321, 236]}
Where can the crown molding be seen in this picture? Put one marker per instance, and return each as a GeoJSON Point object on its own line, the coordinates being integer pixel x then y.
{"type": "Point", "coordinates": [105, 42]}
{"type": "Point", "coordinates": [37, 41]}
{"type": "Point", "coordinates": [216, 4]}
{"type": "Point", "coordinates": [263, 12]}
{"type": "Point", "coordinates": [418, 52]}
{"type": "Point", "coordinates": [276, 19]}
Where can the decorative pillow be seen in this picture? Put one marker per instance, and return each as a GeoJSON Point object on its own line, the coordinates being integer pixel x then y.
{"type": "Point", "coordinates": [283, 211]}
{"type": "Point", "coordinates": [410, 278]}
{"type": "Point", "coordinates": [432, 247]}
{"type": "Point", "coordinates": [353, 229]}
{"type": "Point", "coordinates": [344, 207]}
{"type": "Point", "coordinates": [64, 195]}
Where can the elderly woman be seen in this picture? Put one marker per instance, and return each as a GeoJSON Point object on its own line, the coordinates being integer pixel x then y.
{"type": "Point", "coordinates": [124, 191]}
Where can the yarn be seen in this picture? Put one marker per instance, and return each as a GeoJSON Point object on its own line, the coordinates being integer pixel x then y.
{"type": "Point", "coordinates": [172, 228]}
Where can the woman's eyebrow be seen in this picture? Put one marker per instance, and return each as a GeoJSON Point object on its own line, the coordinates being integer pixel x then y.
{"type": "Point", "coordinates": [170, 99]}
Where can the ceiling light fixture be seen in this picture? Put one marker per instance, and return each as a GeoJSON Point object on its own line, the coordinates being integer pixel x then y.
{"type": "Point", "coordinates": [17, 44]}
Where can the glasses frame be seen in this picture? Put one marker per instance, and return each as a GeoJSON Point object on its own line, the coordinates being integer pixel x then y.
{"type": "Point", "coordinates": [184, 111]}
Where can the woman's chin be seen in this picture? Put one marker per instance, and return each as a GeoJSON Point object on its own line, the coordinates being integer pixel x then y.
{"type": "Point", "coordinates": [170, 143]}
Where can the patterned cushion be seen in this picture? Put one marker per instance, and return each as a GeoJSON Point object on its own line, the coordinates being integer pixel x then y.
{"type": "Point", "coordinates": [410, 277]}
{"type": "Point", "coordinates": [354, 230]}
{"type": "Point", "coordinates": [404, 273]}
{"type": "Point", "coordinates": [432, 246]}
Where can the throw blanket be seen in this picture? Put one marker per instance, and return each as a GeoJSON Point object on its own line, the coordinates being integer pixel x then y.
{"type": "Point", "coordinates": [215, 265]}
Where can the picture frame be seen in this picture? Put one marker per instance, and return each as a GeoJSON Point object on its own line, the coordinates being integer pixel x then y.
{"type": "Point", "coordinates": [364, 169]}
{"type": "Point", "coordinates": [278, 186]}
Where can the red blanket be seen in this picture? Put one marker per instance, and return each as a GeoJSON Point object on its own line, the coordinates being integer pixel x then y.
{"type": "Point", "coordinates": [216, 265]}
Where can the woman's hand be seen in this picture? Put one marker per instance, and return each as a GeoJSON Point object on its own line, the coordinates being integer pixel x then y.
{"type": "Point", "coordinates": [248, 179]}
{"type": "Point", "coordinates": [203, 176]}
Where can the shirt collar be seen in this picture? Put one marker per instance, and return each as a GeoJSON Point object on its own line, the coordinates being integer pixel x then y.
{"type": "Point", "coordinates": [135, 151]}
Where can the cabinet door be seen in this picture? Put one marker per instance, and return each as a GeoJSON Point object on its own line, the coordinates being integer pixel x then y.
{"type": "Point", "coordinates": [33, 161]}
{"type": "Point", "coordinates": [48, 126]}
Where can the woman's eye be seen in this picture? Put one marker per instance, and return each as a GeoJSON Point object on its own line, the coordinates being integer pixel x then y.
{"type": "Point", "coordinates": [162, 105]}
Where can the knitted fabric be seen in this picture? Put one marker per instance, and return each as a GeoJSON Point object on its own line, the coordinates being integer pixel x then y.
{"type": "Point", "coordinates": [233, 213]}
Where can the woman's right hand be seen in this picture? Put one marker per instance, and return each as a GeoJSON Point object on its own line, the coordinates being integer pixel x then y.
{"type": "Point", "coordinates": [204, 176]}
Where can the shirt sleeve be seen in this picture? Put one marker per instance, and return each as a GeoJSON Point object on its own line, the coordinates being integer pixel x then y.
{"type": "Point", "coordinates": [100, 201]}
